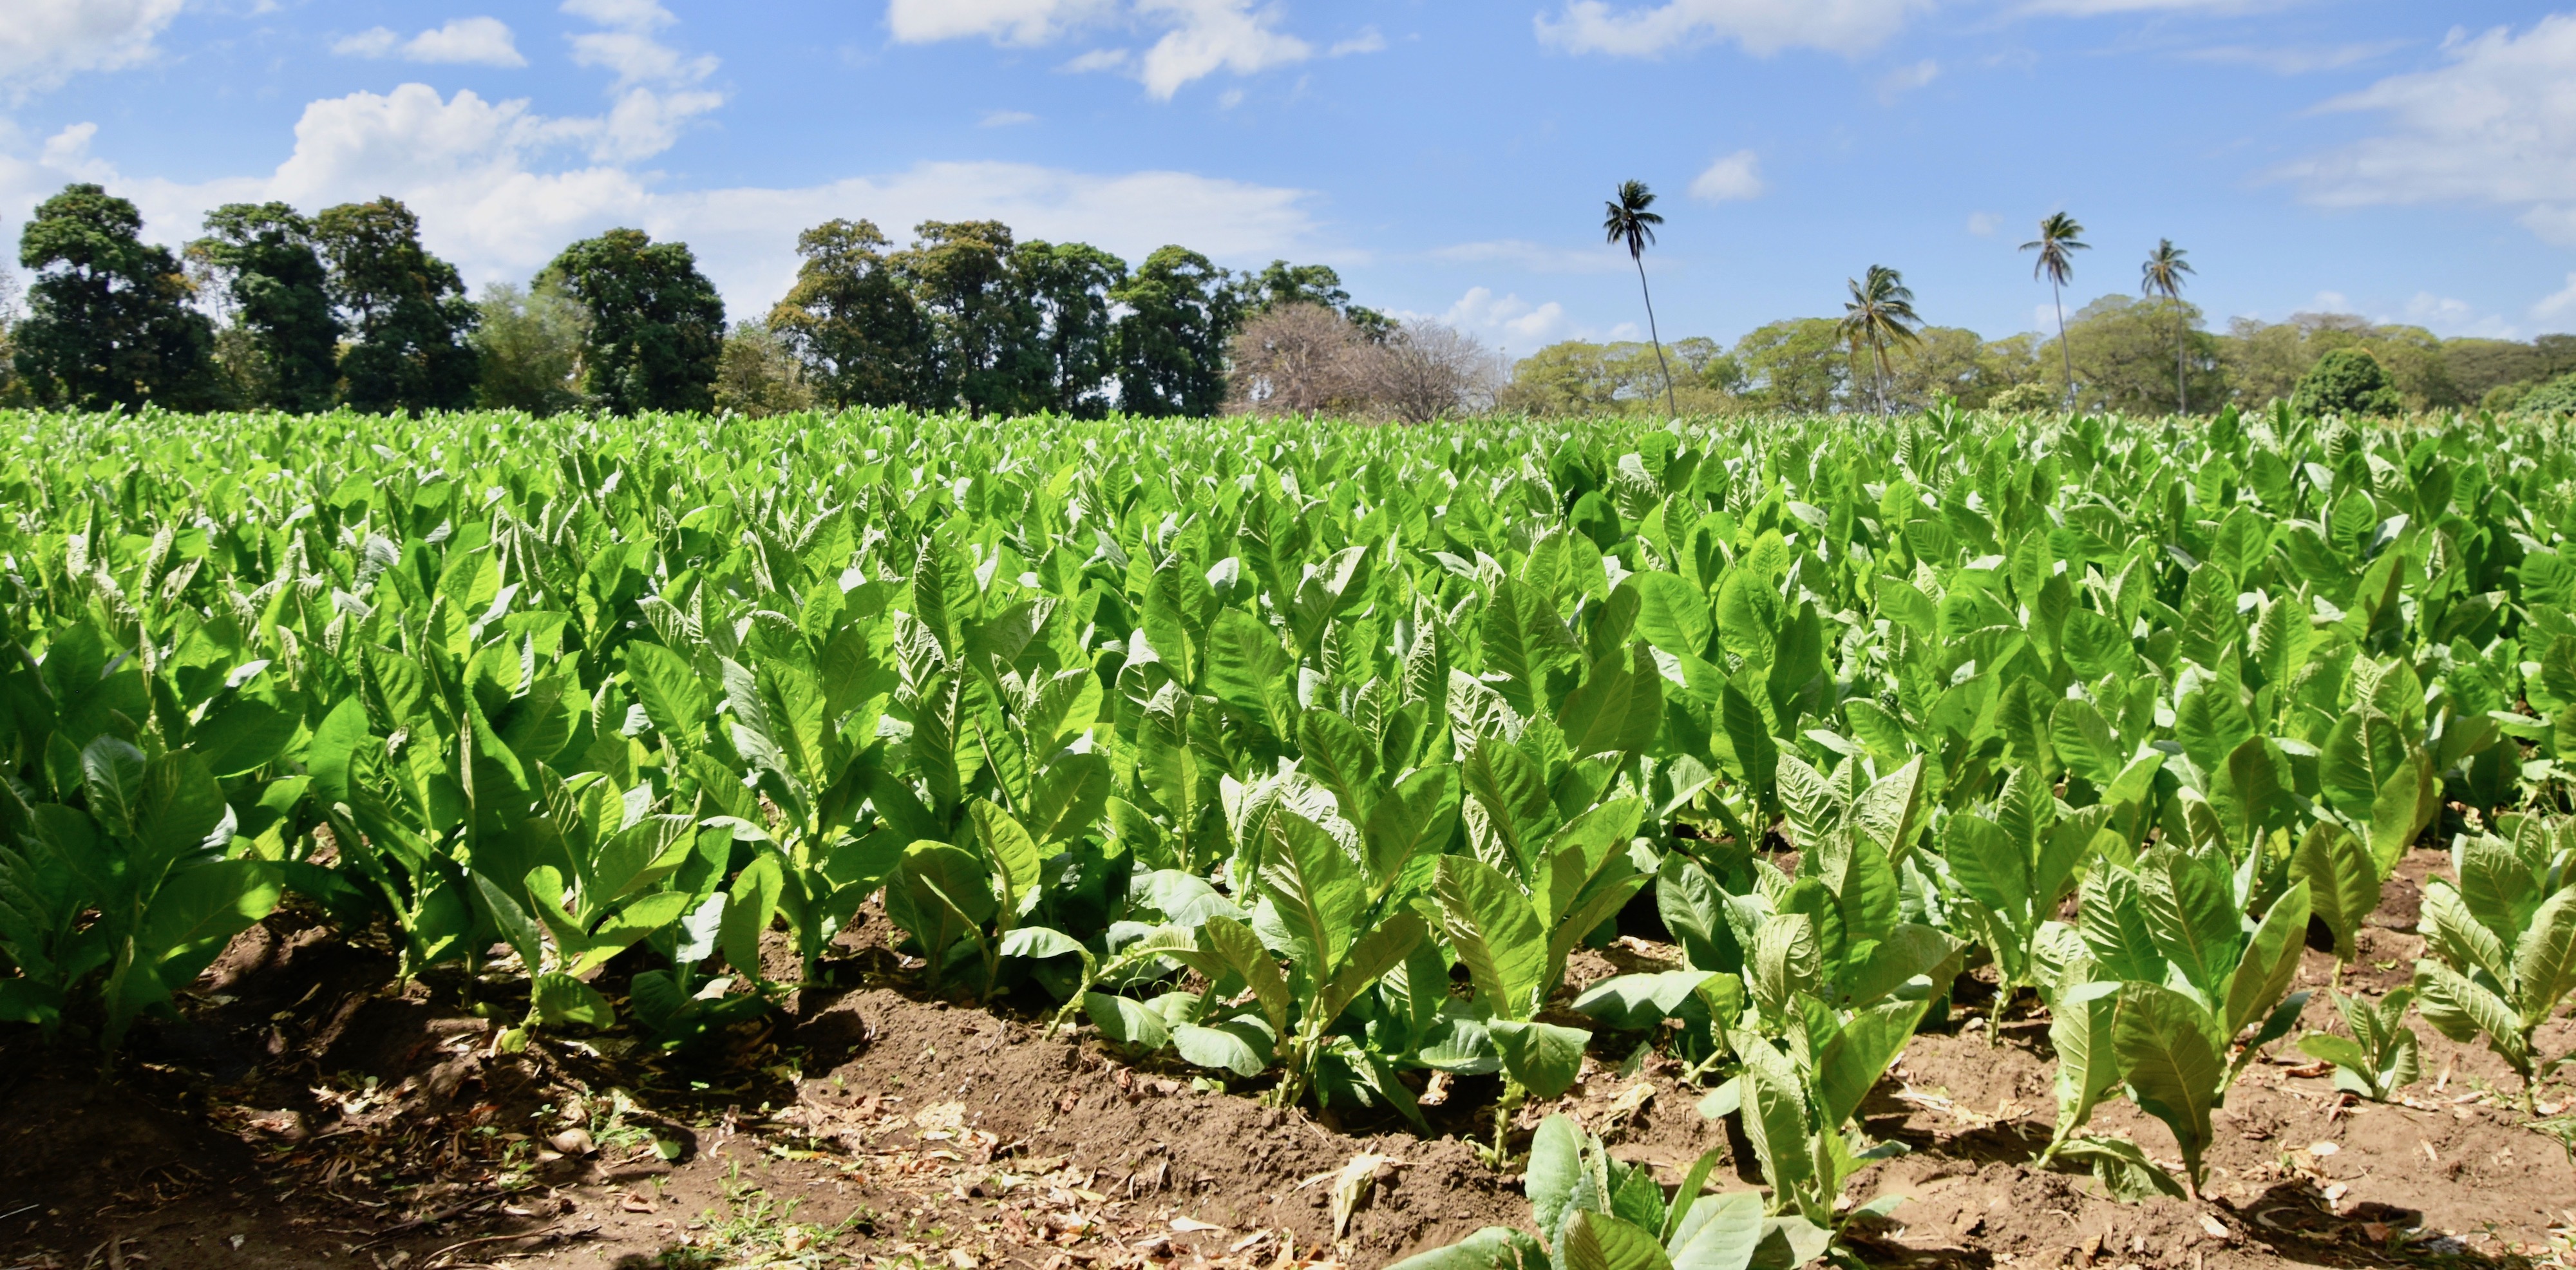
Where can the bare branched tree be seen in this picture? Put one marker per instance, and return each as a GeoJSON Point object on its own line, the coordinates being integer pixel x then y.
{"type": "Point", "coordinates": [1428, 370]}
{"type": "Point", "coordinates": [1297, 359]}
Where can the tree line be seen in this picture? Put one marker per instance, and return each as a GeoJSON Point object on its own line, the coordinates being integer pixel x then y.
{"type": "Point", "coordinates": [1881, 355]}
{"type": "Point", "coordinates": [2121, 348]}
{"type": "Point", "coordinates": [273, 309]}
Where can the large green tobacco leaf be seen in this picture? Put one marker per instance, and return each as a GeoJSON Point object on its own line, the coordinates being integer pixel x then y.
{"type": "Point", "coordinates": [2172, 1066]}
{"type": "Point", "coordinates": [2342, 881]}
{"type": "Point", "coordinates": [1496, 934]}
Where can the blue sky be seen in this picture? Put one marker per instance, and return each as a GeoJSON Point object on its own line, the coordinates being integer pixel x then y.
{"type": "Point", "coordinates": [2407, 161]}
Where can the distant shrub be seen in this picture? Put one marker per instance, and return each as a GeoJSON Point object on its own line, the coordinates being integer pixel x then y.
{"type": "Point", "coordinates": [2347, 381]}
{"type": "Point", "coordinates": [2558, 396]}
{"type": "Point", "coordinates": [2025, 399]}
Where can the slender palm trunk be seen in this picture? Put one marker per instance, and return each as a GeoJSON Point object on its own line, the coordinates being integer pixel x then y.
{"type": "Point", "coordinates": [1656, 336]}
{"type": "Point", "coordinates": [2182, 383]}
{"type": "Point", "coordinates": [2058, 297]}
{"type": "Point", "coordinates": [1885, 406]}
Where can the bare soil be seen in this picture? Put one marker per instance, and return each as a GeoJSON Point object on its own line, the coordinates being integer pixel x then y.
{"type": "Point", "coordinates": [305, 1114]}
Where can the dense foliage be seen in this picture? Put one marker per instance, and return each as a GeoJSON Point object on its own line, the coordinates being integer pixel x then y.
{"type": "Point", "coordinates": [277, 310]}
{"type": "Point", "coordinates": [2129, 355]}
{"type": "Point", "coordinates": [1310, 753]}
{"type": "Point", "coordinates": [109, 323]}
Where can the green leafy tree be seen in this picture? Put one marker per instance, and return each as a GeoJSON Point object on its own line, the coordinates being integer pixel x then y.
{"type": "Point", "coordinates": [1947, 361]}
{"type": "Point", "coordinates": [985, 353]}
{"type": "Point", "coordinates": [759, 375]}
{"type": "Point", "coordinates": [1171, 342]}
{"type": "Point", "coordinates": [2266, 361]}
{"type": "Point", "coordinates": [108, 320]}
{"type": "Point", "coordinates": [656, 324]}
{"type": "Point", "coordinates": [2123, 350]}
{"type": "Point", "coordinates": [2497, 373]}
{"type": "Point", "coordinates": [2162, 275]}
{"type": "Point", "coordinates": [407, 312]}
{"type": "Point", "coordinates": [1280, 283]}
{"type": "Point", "coordinates": [1797, 365]}
{"type": "Point", "coordinates": [12, 391]}
{"type": "Point", "coordinates": [2347, 381]}
{"type": "Point", "coordinates": [2060, 236]}
{"type": "Point", "coordinates": [1573, 377]}
{"type": "Point", "coordinates": [264, 256]}
{"type": "Point", "coordinates": [528, 344]}
{"type": "Point", "coordinates": [850, 319]}
{"type": "Point", "coordinates": [1626, 223]}
{"type": "Point", "coordinates": [1070, 284]}
{"type": "Point", "coordinates": [1879, 313]}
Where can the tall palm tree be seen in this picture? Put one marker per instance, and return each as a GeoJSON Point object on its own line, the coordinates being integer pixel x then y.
{"type": "Point", "coordinates": [1879, 313]}
{"type": "Point", "coordinates": [2162, 275]}
{"type": "Point", "coordinates": [2059, 236]}
{"type": "Point", "coordinates": [1628, 222]}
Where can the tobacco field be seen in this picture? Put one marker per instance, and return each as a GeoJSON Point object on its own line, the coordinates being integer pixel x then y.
{"type": "Point", "coordinates": [1950, 839]}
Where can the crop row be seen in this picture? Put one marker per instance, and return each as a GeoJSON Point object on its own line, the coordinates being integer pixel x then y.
{"type": "Point", "coordinates": [1311, 754]}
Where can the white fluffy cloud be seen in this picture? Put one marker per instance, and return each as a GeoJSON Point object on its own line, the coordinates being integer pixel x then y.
{"type": "Point", "coordinates": [2496, 125]}
{"type": "Point", "coordinates": [1907, 78]}
{"type": "Point", "coordinates": [1197, 38]}
{"type": "Point", "coordinates": [658, 88]}
{"type": "Point", "coordinates": [1734, 178]}
{"type": "Point", "coordinates": [2297, 59]}
{"type": "Point", "coordinates": [2557, 304]}
{"type": "Point", "coordinates": [1762, 27]}
{"type": "Point", "coordinates": [44, 42]}
{"type": "Point", "coordinates": [1507, 321]}
{"type": "Point", "coordinates": [1009, 21]}
{"type": "Point", "coordinates": [2096, 8]}
{"type": "Point", "coordinates": [464, 41]}
{"type": "Point", "coordinates": [1209, 35]}
{"type": "Point", "coordinates": [2449, 317]}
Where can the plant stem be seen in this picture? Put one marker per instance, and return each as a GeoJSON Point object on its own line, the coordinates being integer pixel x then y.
{"type": "Point", "coordinates": [1514, 1094]}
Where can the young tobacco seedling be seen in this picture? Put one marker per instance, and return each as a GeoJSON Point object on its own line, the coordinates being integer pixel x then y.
{"type": "Point", "coordinates": [1596, 1213]}
{"type": "Point", "coordinates": [2380, 1056]}
{"type": "Point", "coordinates": [1514, 931]}
{"type": "Point", "coordinates": [1797, 1100]}
{"type": "Point", "coordinates": [150, 854]}
{"type": "Point", "coordinates": [2015, 864]}
{"type": "Point", "coordinates": [2195, 974]}
{"type": "Point", "coordinates": [2503, 944]}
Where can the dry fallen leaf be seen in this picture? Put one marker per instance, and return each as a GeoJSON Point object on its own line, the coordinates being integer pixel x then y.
{"type": "Point", "coordinates": [1351, 1186]}
{"type": "Point", "coordinates": [1192, 1225]}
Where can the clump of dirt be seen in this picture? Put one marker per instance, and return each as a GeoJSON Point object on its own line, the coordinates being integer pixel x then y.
{"type": "Point", "coordinates": [918, 1074]}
